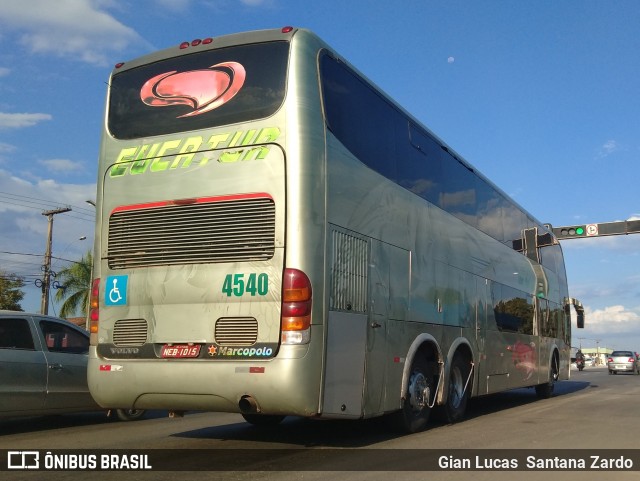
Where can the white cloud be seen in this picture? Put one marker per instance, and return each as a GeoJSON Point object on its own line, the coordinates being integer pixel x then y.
{"type": "Point", "coordinates": [609, 147]}
{"type": "Point", "coordinates": [175, 5]}
{"type": "Point", "coordinates": [256, 3]}
{"type": "Point", "coordinates": [62, 165]}
{"type": "Point", "coordinates": [6, 148]}
{"type": "Point", "coordinates": [17, 121]}
{"type": "Point", "coordinates": [612, 320]}
{"type": "Point", "coordinates": [78, 29]}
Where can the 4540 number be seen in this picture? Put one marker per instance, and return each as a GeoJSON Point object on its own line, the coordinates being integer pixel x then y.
{"type": "Point", "coordinates": [240, 284]}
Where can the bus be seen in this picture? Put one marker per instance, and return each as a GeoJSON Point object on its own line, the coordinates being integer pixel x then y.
{"type": "Point", "coordinates": [277, 237]}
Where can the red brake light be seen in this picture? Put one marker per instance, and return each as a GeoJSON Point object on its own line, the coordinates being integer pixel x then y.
{"type": "Point", "coordinates": [94, 307]}
{"type": "Point", "coordinates": [296, 302]}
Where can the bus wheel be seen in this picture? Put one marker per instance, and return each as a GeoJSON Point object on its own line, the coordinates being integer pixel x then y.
{"type": "Point", "coordinates": [414, 415]}
{"type": "Point", "coordinates": [459, 389]}
{"type": "Point", "coordinates": [545, 391]}
{"type": "Point", "coordinates": [129, 414]}
{"type": "Point", "coordinates": [263, 419]}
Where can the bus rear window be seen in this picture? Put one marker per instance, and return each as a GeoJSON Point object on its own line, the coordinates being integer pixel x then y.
{"type": "Point", "coordinates": [197, 91]}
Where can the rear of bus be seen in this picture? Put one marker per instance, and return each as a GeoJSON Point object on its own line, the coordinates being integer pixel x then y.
{"type": "Point", "coordinates": [208, 255]}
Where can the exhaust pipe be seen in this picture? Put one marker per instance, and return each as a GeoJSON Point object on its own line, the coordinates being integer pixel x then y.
{"type": "Point", "coordinates": [248, 405]}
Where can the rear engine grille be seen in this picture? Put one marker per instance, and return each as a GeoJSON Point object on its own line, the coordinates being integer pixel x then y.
{"type": "Point", "coordinates": [196, 233]}
{"type": "Point", "coordinates": [130, 332]}
{"type": "Point", "coordinates": [236, 331]}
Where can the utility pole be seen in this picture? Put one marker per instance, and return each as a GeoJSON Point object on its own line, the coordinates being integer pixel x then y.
{"type": "Point", "coordinates": [46, 281]}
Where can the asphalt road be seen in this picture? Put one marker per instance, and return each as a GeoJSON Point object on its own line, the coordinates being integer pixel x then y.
{"type": "Point", "coordinates": [594, 413]}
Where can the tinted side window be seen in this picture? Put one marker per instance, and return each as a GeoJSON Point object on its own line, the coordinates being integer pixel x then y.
{"type": "Point", "coordinates": [362, 120]}
{"type": "Point", "coordinates": [459, 194]}
{"type": "Point", "coordinates": [420, 170]}
{"type": "Point", "coordinates": [552, 322]}
{"type": "Point", "coordinates": [384, 138]}
{"type": "Point", "coordinates": [15, 334]}
{"type": "Point", "coordinates": [61, 338]}
{"type": "Point", "coordinates": [513, 309]}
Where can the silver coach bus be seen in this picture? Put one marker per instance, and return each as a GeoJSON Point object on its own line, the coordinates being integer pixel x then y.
{"type": "Point", "coordinates": [275, 236]}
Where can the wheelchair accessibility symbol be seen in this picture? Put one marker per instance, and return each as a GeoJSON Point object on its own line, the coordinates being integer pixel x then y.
{"type": "Point", "coordinates": [116, 291]}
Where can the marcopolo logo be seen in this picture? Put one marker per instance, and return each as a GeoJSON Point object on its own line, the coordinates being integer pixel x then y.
{"type": "Point", "coordinates": [256, 351]}
{"type": "Point", "coordinates": [202, 90]}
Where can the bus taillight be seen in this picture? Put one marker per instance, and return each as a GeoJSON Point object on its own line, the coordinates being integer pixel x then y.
{"type": "Point", "coordinates": [94, 308]}
{"type": "Point", "coordinates": [296, 307]}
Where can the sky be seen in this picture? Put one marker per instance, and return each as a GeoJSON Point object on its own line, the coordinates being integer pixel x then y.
{"type": "Point", "coordinates": [541, 96]}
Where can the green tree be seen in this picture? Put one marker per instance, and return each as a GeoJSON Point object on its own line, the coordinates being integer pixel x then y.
{"type": "Point", "coordinates": [75, 286]}
{"type": "Point", "coordinates": [11, 291]}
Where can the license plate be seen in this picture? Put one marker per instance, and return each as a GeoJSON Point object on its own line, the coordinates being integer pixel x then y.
{"type": "Point", "coordinates": [621, 367]}
{"type": "Point", "coordinates": [180, 350]}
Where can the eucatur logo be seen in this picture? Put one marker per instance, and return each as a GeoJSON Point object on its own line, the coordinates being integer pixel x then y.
{"type": "Point", "coordinates": [203, 90]}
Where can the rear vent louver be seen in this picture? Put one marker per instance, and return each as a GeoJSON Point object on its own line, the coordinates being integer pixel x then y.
{"type": "Point", "coordinates": [236, 331]}
{"type": "Point", "coordinates": [349, 272]}
{"type": "Point", "coordinates": [130, 332]}
{"type": "Point", "coordinates": [194, 233]}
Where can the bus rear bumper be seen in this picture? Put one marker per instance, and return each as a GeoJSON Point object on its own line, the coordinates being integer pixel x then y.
{"type": "Point", "coordinates": [284, 385]}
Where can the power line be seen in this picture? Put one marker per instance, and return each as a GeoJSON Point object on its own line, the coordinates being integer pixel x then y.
{"type": "Point", "coordinates": [39, 204]}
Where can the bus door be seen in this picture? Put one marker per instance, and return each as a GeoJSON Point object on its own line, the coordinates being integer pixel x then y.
{"type": "Point", "coordinates": [483, 297]}
{"type": "Point", "coordinates": [369, 292]}
{"type": "Point", "coordinates": [346, 336]}
{"type": "Point", "coordinates": [389, 289]}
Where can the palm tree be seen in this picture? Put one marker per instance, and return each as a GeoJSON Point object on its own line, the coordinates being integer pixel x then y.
{"type": "Point", "coordinates": [75, 286]}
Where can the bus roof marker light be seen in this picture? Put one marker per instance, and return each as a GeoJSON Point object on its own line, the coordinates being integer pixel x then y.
{"type": "Point", "coordinates": [287, 29]}
{"type": "Point", "coordinates": [207, 41]}
{"type": "Point", "coordinates": [196, 42]}
{"type": "Point", "coordinates": [119, 64]}
{"type": "Point", "coordinates": [184, 45]}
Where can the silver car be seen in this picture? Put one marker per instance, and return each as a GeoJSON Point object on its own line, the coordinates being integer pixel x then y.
{"type": "Point", "coordinates": [43, 367]}
{"type": "Point", "coordinates": [624, 361]}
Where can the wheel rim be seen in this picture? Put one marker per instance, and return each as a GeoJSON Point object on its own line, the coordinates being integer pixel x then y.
{"type": "Point", "coordinates": [419, 392]}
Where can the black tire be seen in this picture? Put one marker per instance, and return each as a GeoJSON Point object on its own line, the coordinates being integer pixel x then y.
{"type": "Point", "coordinates": [545, 390]}
{"type": "Point", "coordinates": [414, 415]}
{"type": "Point", "coordinates": [457, 396]}
{"type": "Point", "coordinates": [130, 414]}
{"type": "Point", "coordinates": [263, 419]}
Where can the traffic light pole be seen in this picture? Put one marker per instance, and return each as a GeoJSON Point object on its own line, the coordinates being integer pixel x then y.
{"type": "Point", "coordinates": [596, 230]}
{"type": "Point", "coordinates": [46, 281]}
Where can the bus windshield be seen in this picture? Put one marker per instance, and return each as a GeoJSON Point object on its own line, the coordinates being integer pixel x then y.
{"type": "Point", "coordinates": [200, 95]}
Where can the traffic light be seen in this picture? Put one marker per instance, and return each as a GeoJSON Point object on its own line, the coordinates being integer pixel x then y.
{"type": "Point", "coordinates": [570, 232]}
